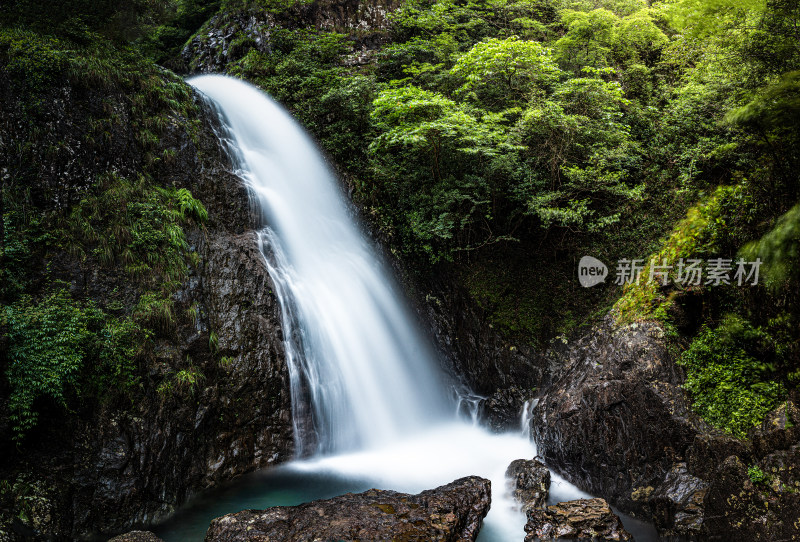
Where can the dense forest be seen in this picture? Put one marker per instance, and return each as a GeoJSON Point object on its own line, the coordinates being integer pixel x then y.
{"type": "Point", "coordinates": [493, 142]}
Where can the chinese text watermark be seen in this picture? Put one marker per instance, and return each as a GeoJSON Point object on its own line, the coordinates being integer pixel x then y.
{"type": "Point", "coordinates": [687, 272]}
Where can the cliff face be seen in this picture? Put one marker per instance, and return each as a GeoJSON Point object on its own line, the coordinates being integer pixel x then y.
{"type": "Point", "coordinates": [228, 36]}
{"type": "Point", "coordinates": [112, 464]}
{"type": "Point", "coordinates": [616, 422]}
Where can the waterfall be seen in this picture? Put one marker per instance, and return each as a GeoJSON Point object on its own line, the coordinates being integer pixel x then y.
{"type": "Point", "coordinates": [525, 417]}
{"type": "Point", "coordinates": [354, 353]}
{"type": "Point", "coordinates": [358, 367]}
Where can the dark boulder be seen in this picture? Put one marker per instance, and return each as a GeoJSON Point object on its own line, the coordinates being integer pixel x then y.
{"type": "Point", "coordinates": [529, 482]}
{"type": "Point", "coordinates": [453, 512]}
{"type": "Point", "coordinates": [582, 519]}
{"type": "Point", "coordinates": [616, 422]}
{"type": "Point", "coordinates": [615, 419]}
{"type": "Point", "coordinates": [502, 411]}
{"type": "Point", "coordinates": [677, 504]}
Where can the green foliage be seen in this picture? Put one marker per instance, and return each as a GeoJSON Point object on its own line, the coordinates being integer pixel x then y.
{"type": "Point", "coordinates": [154, 311]}
{"type": "Point", "coordinates": [48, 346]}
{"type": "Point", "coordinates": [708, 18]}
{"type": "Point", "coordinates": [580, 153]}
{"type": "Point", "coordinates": [486, 164]}
{"type": "Point", "coordinates": [504, 73]}
{"type": "Point", "coordinates": [696, 236]}
{"type": "Point", "coordinates": [601, 38]}
{"type": "Point", "coordinates": [182, 381]}
{"type": "Point", "coordinates": [779, 249]}
{"type": "Point", "coordinates": [60, 348]}
{"type": "Point", "coordinates": [79, 19]}
{"type": "Point", "coordinates": [21, 230]}
{"type": "Point", "coordinates": [776, 108]}
{"type": "Point", "coordinates": [65, 353]}
{"type": "Point", "coordinates": [129, 223]}
{"type": "Point", "coordinates": [756, 475]}
{"type": "Point", "coordinates": [181, 19]}
{"type": "Point", "coordinates": [728, 373]}
{"type": "Point", "coordinates": [588, 38]}
{"type": "Point", "coordinates": [189, 379]}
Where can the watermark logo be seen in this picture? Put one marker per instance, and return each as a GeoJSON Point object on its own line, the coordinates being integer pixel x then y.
{"type": "Point", "coordinates": [591, 271]}
{"type": "Point", "coordinates": [687, 272]}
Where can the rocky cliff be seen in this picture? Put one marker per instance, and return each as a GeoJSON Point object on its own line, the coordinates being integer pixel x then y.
{"type": "Point", "coordinates": [616, 422]}
{"type": "Point", "coordinates": [213, 396]}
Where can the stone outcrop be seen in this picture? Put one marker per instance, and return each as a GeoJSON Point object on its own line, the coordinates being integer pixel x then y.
{"type": "Point", "coordinates": [529, 482]}
{"type": "Point", "coordinates": [502, 410]}
{"type": "Point", "coordinates": [584, 519]}
{"type": "Point", "coordinates": [450, 513]}
{"type": "Point", "coordinates": [754, 492]}
{"type": "Point", "coordinates": [230, 35]}
{"type": "Point", "coordinates": [488, 364]}
{"type": "Point", "coordinates": [615, 419]}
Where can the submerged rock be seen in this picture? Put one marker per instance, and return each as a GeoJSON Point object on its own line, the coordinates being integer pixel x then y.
{"type": "Point", "coordinates": [582, 519]}
{"type": "Point", "coordinates": [453, 512]}
{"type": "Point", "coordinates": [136, 536]}
{"type": "Point", "coordinates": [529, 481]}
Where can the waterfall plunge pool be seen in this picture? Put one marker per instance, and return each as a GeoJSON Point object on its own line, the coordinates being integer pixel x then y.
{"type": "Point", "coordinates": [430, 459]}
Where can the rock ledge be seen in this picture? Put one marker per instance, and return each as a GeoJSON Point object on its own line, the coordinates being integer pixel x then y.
{"type": "Point", "coordinates": [450, 513]}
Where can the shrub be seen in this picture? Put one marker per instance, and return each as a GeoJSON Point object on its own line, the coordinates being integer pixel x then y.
{"type": "Point", "coordinates": [60, 349]}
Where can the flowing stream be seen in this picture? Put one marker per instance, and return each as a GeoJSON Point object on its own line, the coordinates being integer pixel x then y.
{"type": "Point", "coordinates": [381, 414]}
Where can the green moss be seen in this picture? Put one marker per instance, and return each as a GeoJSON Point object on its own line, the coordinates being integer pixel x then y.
{"type": "Point", "coordinates": [756, 474]}
{"type": "Point", "coordinates": [731, 374]}
{"type": "Point", "coordinates": [696, 236]}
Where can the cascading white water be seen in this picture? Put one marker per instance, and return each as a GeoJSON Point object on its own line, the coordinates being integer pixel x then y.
{"type": "Point", "coordinates": [369, 375]}
{"type": "Point", "coordinates": [377, 396]}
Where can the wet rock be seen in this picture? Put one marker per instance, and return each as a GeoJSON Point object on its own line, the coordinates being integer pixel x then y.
{"type": "Point", "coordinates": [616, 422]}
{"type": "Point", "coordinates": [136, 536]}
{"type": "Point", "coordinates": [759, 502]}
{"type": "Point", "coordinates": [230, 35]}
{"type": "Point", "coordinates": [709, 450]}
{"type": "Point", "coordinates": [582, 519]}
{"type": "Point", "coordinates": [529, 481]}
{"type": "Point", "coordinates": [502, 410]}
{"type": "Point", "coordinates": [677, 503]}
{"type": "Point", "coordinates": [479, 355]}
{"type": "Point", "coordinates": [615, 419]}
{"type": "Point", "coordinates": [108, 467]}
{"type": "Point", "coordinates": [453, 512]}
{"type": "Point", "coordinates": [779, 430]}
